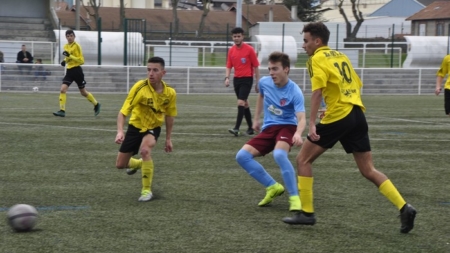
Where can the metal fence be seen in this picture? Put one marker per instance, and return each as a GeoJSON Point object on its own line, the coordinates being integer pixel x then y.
{"type": "Point", "coordinates": [204, 80]}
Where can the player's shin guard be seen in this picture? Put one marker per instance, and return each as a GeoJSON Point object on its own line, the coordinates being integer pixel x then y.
{"type": "Point", "coordinates": [305, 186]}
{"type": "Point", "coordinates": [147, 175]}
{"type": "Point", "coordinates": [287, 171]}
{"type": "Point", "coordinates": [253, 168]}
{"type": "Point", "coordinates": [390, 192]}
{"type": "Point", "coordinates": [91, 98]}
{"type": "Point", "coordinates": [62, 101]}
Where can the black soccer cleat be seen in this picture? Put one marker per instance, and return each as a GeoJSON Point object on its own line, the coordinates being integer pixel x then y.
{"type": "Point", "coordinates": [250, 132]}
{"type": "Point", "coordinates": [300, 218]}
{"type": "Point", "coordinates": [60, 113]}
{"type": "Point", "coordinates": [97, 109]}
{"type": "Point", "coordinates": [407, 216]}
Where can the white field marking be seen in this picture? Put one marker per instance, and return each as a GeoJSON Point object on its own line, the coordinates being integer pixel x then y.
{"type": "Point", "coordinates": [99, 129]}
{"type": "Point", "coordinates": [202, 134]}
{"type": "Point", "coordinates": [409, 120]}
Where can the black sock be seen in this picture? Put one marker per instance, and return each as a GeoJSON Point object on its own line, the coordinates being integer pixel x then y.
{"type": "Point", "coordinates": [240, 115]}
{"type": "Point", "coordinates": [248, 117]}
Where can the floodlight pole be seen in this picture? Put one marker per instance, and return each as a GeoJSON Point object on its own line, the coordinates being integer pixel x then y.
{"type": "Point", "coordinates": [239, 13]}
{"type": "Point", "coordinates": [77, 14]}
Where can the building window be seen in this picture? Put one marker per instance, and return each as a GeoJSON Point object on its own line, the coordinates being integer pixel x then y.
{"type": "Point", "coordinates": [422, 29]}
{"type": "Point", "coordinates": [440, 29]}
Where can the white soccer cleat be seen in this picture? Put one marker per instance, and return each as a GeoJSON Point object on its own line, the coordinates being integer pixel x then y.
{"type": "Point", "coordinates": [145, 196]}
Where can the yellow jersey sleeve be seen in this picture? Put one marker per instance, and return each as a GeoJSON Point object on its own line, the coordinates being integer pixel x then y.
{"type": "Point", "coordinates": [76, 57]}
{"type": "Point", "coordinates": [333, 72]}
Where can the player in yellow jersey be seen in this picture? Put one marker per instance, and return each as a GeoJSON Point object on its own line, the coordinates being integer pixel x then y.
{"type": "Point", "coordinates": [150, 102]}
{"type": "Point", "coordinates": [73, 59]}
{"type": "Point", "coordinates": [333, 78]}
{"type": "Point", "coordinates": [442, 72]}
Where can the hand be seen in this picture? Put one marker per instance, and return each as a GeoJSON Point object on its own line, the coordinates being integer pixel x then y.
{"type": "Point", "coordinates": [256, 125]}
{"type": "Point", "coordinates": [63, 63]}
{"type": "Point", "coordinates": [256, 88]}
{"type": "Point", "coordinates": [297, 140]}
{"type": "Point", "coordinates": [119, 138]}
{"type": "Point", "coordinates": [168, 147]}
{"type": "Point", "coordinates": [312, 133]}
{"type": "Point", "coordinates": [437, 91]}
{"type": "Point", "coordinates": [65, 53]}
{"type": "Point", "coordinates": [227, 82]}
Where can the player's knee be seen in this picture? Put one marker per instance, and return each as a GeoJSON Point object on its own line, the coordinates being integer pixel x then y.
{"type": "Point", "coordinates": [144, 152]}
{"type": "Point", "coordinates": [280, 155]}
{"type": "Point", "coordinates": [121, 165]}
{"type": "Point", "coordinates": [243, 156]}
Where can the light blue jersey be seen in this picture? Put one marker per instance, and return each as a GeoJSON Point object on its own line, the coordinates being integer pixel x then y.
{"type": "Point", "coordinates": [280, 104]}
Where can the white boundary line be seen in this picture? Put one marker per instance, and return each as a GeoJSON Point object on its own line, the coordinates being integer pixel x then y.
{"type": "Point", "coordinates": [211, 134]}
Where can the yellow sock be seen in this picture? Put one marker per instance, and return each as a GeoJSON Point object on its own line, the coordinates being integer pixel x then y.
{"type": "Point", "coordinates": [62, 101]}
{"type": "Point", "coordinates": [305, 187]}
{"type": "Point", "coordinates": [388, 189]}
{"type": "Point", "coordinates": [135, 163]}
{"type": "Point", "coordinates": [91, 99]}
{"type": "Point", "coordinates": [147, 175]}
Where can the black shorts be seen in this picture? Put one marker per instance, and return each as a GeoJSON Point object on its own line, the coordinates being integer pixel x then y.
{"type": "Point", "coordinates": [242, 87]}
{"type": "Point", "coordinates": [133, 139]}
{"type": "Point", "coordinates": [75, 75]}
{"type": "Point", "coordinates": [352, 132]}
{"type": "Point", "coordinates": [447, 101]}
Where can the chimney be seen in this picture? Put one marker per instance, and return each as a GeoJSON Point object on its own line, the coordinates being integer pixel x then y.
{"type": "Point", "coordinates": [271, 15]}
{"type": "Point", "coordinates": [294, 10]}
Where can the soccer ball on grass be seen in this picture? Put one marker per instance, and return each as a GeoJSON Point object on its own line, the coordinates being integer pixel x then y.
{"type": "Point", "coordinates": [22, 217]}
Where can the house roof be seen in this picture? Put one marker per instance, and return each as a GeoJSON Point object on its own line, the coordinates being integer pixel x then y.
{"type": "Point", "coordinates": [428, 2]}
{"type": "Point", "coordinates": [260, 13]}
{"type": "Point", "coordinates": [398, 8]}
{"type": "Point", "coordinates": [160, 19]}
{"type": "Point", "coordinates": [436, 10]}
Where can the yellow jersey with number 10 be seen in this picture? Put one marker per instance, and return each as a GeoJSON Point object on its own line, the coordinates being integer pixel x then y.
{"type": "Point", "coordinates": [333, 72]}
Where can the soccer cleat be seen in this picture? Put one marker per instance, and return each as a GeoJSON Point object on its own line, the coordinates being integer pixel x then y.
{"type": "Point", "coordinates": [300, 218]}
{"type": "Point", "coordinates": [407, 217]}
{"type": "Point", "coordinates": [131, 171]}
{"type": "Point", "coordinates": [146, 195]}
{"type": "Point", "coordinates": [250, 132]}
{"type": "Point", "coordinates": [97, 109]}
{"type": "Point", "coordinates": [271, 192]}
{"type": "Point", "coordinates": [234, 132]}
{"type": "Point", "coordinates": [60, 113]}
{"type": "Point", "coordinates": [295, 204]}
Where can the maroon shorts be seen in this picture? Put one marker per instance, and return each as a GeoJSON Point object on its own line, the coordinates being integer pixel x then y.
{"type": "Point", "coordinates": [265, 141]}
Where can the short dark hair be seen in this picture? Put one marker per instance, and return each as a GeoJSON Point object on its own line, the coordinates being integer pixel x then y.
{"type": "Point", "coordinates": [280, 57]}
{"type": "Point", "coordinates": [70, 32]}
{"type": "Point", "coordinates": [318, 30]}
{"type": "Point", "coordinates": [157, 59]}
{"type": "Point", "coordinates": [237, 30]}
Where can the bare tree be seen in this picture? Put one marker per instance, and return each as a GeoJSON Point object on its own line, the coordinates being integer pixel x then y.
{"type": "Point", "coordinates": [206, 10]}
{"type": "Point", "coordinates": [358, 16]}
{"type": "Point", "coordinates": [122, 15]}
{"type": "Point", "coordinates": [175, 20]}
{"type": "Point", "coordinates": [95, 4]}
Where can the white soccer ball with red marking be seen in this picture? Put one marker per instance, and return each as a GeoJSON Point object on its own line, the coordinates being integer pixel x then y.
{"type": "Point", "coordinates": [36, 89]}
{"type": "Point", "coordinates": [22, 217]}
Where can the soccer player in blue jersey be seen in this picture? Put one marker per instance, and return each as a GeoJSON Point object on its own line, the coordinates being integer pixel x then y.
{"type": "Point", "coordinates": [284, 122]}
